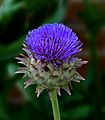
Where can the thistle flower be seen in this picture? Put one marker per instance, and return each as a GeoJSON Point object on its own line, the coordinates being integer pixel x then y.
{"type": "Point", "coordinates": [50, 62]}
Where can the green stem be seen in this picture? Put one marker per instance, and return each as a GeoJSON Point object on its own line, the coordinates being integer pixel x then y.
{"type": "Point", "coordinates": [55, 106]}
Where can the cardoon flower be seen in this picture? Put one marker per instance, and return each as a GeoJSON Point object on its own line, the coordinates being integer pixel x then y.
{"type": "Point", "coordinates": [51, 60]}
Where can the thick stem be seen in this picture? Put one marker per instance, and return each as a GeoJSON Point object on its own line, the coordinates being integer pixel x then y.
{"type": "Point", "coordinates": [55, 106]}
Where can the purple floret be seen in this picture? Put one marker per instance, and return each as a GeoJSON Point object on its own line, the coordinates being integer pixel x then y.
{"type": "Point", "coordinates": [53, 42]}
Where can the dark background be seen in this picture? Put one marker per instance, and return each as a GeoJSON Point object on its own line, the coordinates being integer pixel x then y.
{"type": "Point", "coordinates": [87, 19]}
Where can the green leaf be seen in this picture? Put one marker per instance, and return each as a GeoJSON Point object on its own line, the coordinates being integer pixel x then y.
{"type": "Point", "coordinates": [8, 7]}
{"type": "Point", "coordinates": [80, 112]}
{"type": "Point", "coordinates": [10, 51]}
{"type": "Point", "coordinates": [11, 69]}
{"type": "Point", "coordinates": [58, 16]}
{"type": "Point", "coordinates": [3, 112]}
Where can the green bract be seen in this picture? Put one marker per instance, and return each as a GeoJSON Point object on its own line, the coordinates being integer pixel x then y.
{"type": "Point", "coordinates": [47, 76]}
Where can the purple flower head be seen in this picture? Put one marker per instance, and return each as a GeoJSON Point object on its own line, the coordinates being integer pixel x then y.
{"type": "Point", "coordinates": [50, 60]}
{"type": "Point", "coordinates": [53, 42]}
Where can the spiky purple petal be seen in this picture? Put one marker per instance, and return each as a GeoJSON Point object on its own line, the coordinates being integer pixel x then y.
{"type": "Point", "coordinates": [53, 42]}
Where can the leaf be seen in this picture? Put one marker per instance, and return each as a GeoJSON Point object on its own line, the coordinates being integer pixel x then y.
{"type": "Point", "coordinates": [81, 112]}
{"type": "Point", "coordinates": [7, 7]}
{"type": "Point", "coordinates": [3, 112]}
{"type": "Point", "coordinates": [58, 16]}
{"type": "Point", "coordinates": [11, 68]}
{"type": "Point", "coordinates": [10, 51]}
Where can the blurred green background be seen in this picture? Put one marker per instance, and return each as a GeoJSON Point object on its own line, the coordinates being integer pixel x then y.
{"type": "Point", "coordinates": [87, 19]}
